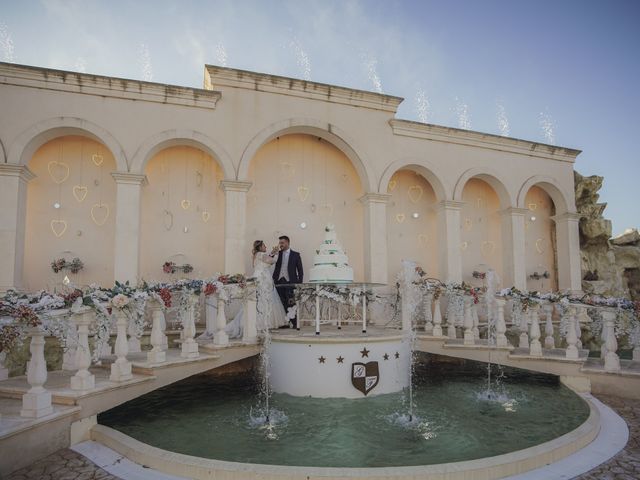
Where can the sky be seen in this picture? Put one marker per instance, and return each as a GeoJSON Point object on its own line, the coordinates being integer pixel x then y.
{"type": "Point", "coordinates": [562, 72]}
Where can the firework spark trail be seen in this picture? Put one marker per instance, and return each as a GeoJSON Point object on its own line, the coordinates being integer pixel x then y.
{"type": "Point", "coordinates": [145, 63]}
{"type": "Point", "coordinates": [503, 121]}
{"type": "Point", "coordinates": [462, 111]}
{"type": "Point", "coordinates": [221, 54]}
{"type": "Point", "coordinates": [302, 58]}
{"type": "Point", "coordinates": [547, 126]}
{"type": "Point", "coordinates": [371, 66]}
{"type": "Point", "coordinates": [6, 44]}
{"type": "Point", "coordinates": [422, 106]}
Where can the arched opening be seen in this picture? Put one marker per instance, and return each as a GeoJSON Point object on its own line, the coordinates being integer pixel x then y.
{"type": "Point", "coordinates": [411, 222]}
{"type": "Point", "coordinates": [480, 230]}
{"type": "Point", "coordinates": [70, 213]}
{"type": "Point", "coordinates": [302, 182]}
{"type": "Point", "coordinates": [540, 241]}
{"type": "Point", "coordinates": [182, 214]}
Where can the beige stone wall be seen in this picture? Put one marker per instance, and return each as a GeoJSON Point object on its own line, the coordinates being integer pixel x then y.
{"type": "Point", "coordinates": [182, 214]}
{"type": "Point", "coordinates": [540, 240]}
{"type": "Point", "coordinates": [76, 232]}
{"type": "Point", "coordinates": [300, 179]}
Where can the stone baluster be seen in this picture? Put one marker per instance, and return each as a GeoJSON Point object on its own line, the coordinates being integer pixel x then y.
{"type": "Point", "coordinates": [69, 354]}
{"type": "Point", "coordinates": [549, 341]}
{"type": "Point", "coordinates": [572, 349]}
{"type": "Point", "coordinates": [611, 359]}
{"type": "Point", "coordinates": [476, 321]}
{"type": "Point", "coordinates": [189, 345]}
{"type": "Point", "coordinates": [581, 313]}
{"type": "Point", "coordinates": [437, 319]}
{"type": "Point", "coordinates": [428, 316]}
{"type": "Point", "coordinates": [121, 368]}
{"type": "Point", "coordinates": [603, 340]}
{"type": "Point", "coordinates": [134, 341]}
{"type": "Point", "coordinates": [157, 353]}
{"type": "Point", "coordinates": [524, 328]}
{"type": "Point", "coordinates": [36, 402]}
{"type": "Point", "coordinates": [210, 317]}
{"type": "Point", "coordinates": [249, 331]}
{"type": "Point", "coordinates": [83, 379]}
{"type": "Point", "coordinates": [535, 349]}
{"type": "Point", "coordinates": [451, 317]}
{"type": "Point", "coordinates": [4, 371]}
{"type": "Point", "coordinates": [501, 326]}
{"type": "Point", "coordinates": [221, 338]}
{"type": "Point", "coordinates": [469, 338]}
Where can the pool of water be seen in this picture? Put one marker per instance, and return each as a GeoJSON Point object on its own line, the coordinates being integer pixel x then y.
{"type": "Point", "coordinates": [453, 420]}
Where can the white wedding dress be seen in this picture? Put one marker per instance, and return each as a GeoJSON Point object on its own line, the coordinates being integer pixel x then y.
{"type": "Point", "coordinates": [271, 313]}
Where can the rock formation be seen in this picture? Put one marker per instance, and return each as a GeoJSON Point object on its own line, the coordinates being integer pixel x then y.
{"type": "Point", "coordinates": [610, 266]}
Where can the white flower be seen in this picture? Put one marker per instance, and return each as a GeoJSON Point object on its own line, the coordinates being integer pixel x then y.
{"type": "Point", "coordinates": [120, 301]}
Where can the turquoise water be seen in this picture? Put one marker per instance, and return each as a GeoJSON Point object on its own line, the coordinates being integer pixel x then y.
{"type": "Point", "coordinates": [453, 420]}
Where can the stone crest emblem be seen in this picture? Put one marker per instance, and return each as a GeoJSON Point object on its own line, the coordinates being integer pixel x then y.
{"type": "Point", "coordinates": [365, 376]}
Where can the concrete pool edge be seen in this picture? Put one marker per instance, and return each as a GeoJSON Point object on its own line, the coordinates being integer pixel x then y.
{"type": "Point", "coordinates": [499, 466]}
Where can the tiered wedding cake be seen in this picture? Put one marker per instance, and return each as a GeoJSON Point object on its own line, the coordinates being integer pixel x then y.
{"type": "Point", "coordinates": [331, 264]}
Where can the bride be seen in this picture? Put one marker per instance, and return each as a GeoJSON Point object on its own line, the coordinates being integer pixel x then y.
{"type": "Point", "coordinates": [270, 313]}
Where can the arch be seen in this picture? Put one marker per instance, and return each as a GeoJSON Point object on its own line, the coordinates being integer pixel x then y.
{"type": "Point", "coordinates": [326, 131]}
{"type": "Point", "coordinates": [29, 141]}
{"type": "Point", "coordinates": [561, 199]}
{"type": "Point", "coordinates": [419, 166]}
{"type": "Point", "coordinates": [489, 176]}
{"type": "Point", "coordinates": [3, 153]}
{"type": "Point", "coordinates": [172, 138]}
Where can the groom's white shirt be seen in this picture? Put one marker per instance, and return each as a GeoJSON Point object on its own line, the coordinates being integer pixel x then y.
{"type": "Point", "coordinates": [284, 266]}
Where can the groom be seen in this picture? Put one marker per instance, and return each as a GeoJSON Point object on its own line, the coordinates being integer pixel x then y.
{"type": "Point", "coordinates": [288, 270]}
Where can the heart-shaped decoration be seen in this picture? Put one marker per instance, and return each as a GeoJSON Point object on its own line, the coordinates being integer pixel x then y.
{"type": "Point", "coordinates": [540, 245]}
{"type": "Point", "coordinates": [424, 238]}
{"type": "Point", "coordinates": [58, 171]}
{"type": "Point", "coordinates": [400, 217]}
{"type": "Point", "coordinates": [392, 185]}
{"type": "Point", "coordinates": [80, 192]}
{"type": "Point", "coordinates": [464, 246]}
{"type": "Point", "coordinates": [58, 227]}
{"type": "Point", "coordinates": [487, 247]}
{"type": "Point", "coordinates": [303, 192]}
{"type": "Point", "coordinates": [468, 223]}
{"type": "Point", "coordinates": [167, 220]}
{"type": "Point", "coordinates": [326, 209]}
{"type": "Point", "coordinates": [532, 206]}
{"type": "Point", "coordinates": [205, 216]}
{"type": "Point", "coordinates": [100, 213]}
{"type": "Point", "coordinates": [97, 159]}
{"type": "Point", "coordinates": [185, 204]}
{"type": "Point", "coordinates": [415, 193]}
{"type": "Point", "coordinates": [287, 170]}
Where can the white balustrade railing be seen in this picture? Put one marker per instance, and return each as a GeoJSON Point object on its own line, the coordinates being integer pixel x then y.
{"type": "Point", "coordinates": [83, 379]}
{"type": "Point", "coordinates": [189, 348]}
{"type": "Point", "coordinates": [535, 347]}
{"type": "Point", "coordinates": [121, 368]}
{"type": "Point", "coordinates": [158, 338]}
{"type": "Point", "coordinates": [36, 402]}
{"type": "Point", "coordinates": [469, 337]}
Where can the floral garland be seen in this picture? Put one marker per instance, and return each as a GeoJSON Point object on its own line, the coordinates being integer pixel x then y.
{"type": "Point", "coordinates": [74, 266]}
{"type": "Point", "coordinates": [171, 267]}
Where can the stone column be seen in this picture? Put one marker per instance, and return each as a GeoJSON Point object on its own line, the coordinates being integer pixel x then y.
{"type": "Point", "coordinates": [36, 402]}
{"type": "Point", "coordinates": [235, 223]}
{"type": "Point", "coordinates": [83, 379]}
{"type": "Point", "coordinates": [127, 241]}
{"type": "Point", "coordinates": [568, 253]}
{"type": "Point", "coordinates": [450, 267]}
{"type": "Point", "coordinates": [13, 213]}
{"type": "Point", "coordinates": [375, 237]}
{"type": "Point", "coordinates": [513, 240]}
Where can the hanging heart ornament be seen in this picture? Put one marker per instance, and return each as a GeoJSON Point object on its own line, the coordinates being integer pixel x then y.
{"type": "Point", "coordinates": [205, 216]}
{"type": "Point", "coordinates": [80, 192]}
{"type": "Point", "coordinates": [58, 171]}
{"type": "Point", "coordinates": [58, 227]}
{"type": "Point", "coordinates": [400, 217]}
{"type": "Point", "coordinates": [392, 185]}
{"type": "Point", "coordinates": [415, 193]}
{"type": "Point", "coordinates": [97, 159]}
{"type": "Point", "coordinates": [488, 247]}
{"type": "Point", "coordinates": [540, 245]}
{"type": "Point", "coordinates": [303, 192]}
{"type": "Point", "coordinates": [100, 213]}
{"type": "Point", "coordinates": [185, 204]}
{"type": "Point", "coordinates": [167, 220]}
{"type": "Point", "coordinates": [532, 206]}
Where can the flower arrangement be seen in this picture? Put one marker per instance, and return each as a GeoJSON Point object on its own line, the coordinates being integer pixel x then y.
{"type": "Point", "coordinates": [74, 266]}
{"type": "Point", "coordinates": [480, 275]}
{"type": "Point", "coordinates": [538, 276]}
{"type": "Point", "coordinates": [171, 268]}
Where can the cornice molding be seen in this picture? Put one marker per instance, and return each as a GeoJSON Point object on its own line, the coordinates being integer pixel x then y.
{"type": "Point", "coordinates": [129, 178]}
{"type": "Point", "coordinates": [13, 170]}
{"type": "Point", "coordinates": [373, 197]}
{"type": "Point", "coordinates": [235, 186]}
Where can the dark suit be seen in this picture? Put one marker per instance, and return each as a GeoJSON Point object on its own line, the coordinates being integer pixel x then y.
{"type": "Point", "coordinates": [296, 275]}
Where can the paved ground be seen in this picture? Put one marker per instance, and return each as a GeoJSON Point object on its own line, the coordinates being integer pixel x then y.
{"type": "Point", "coordinates": [68, 465]}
